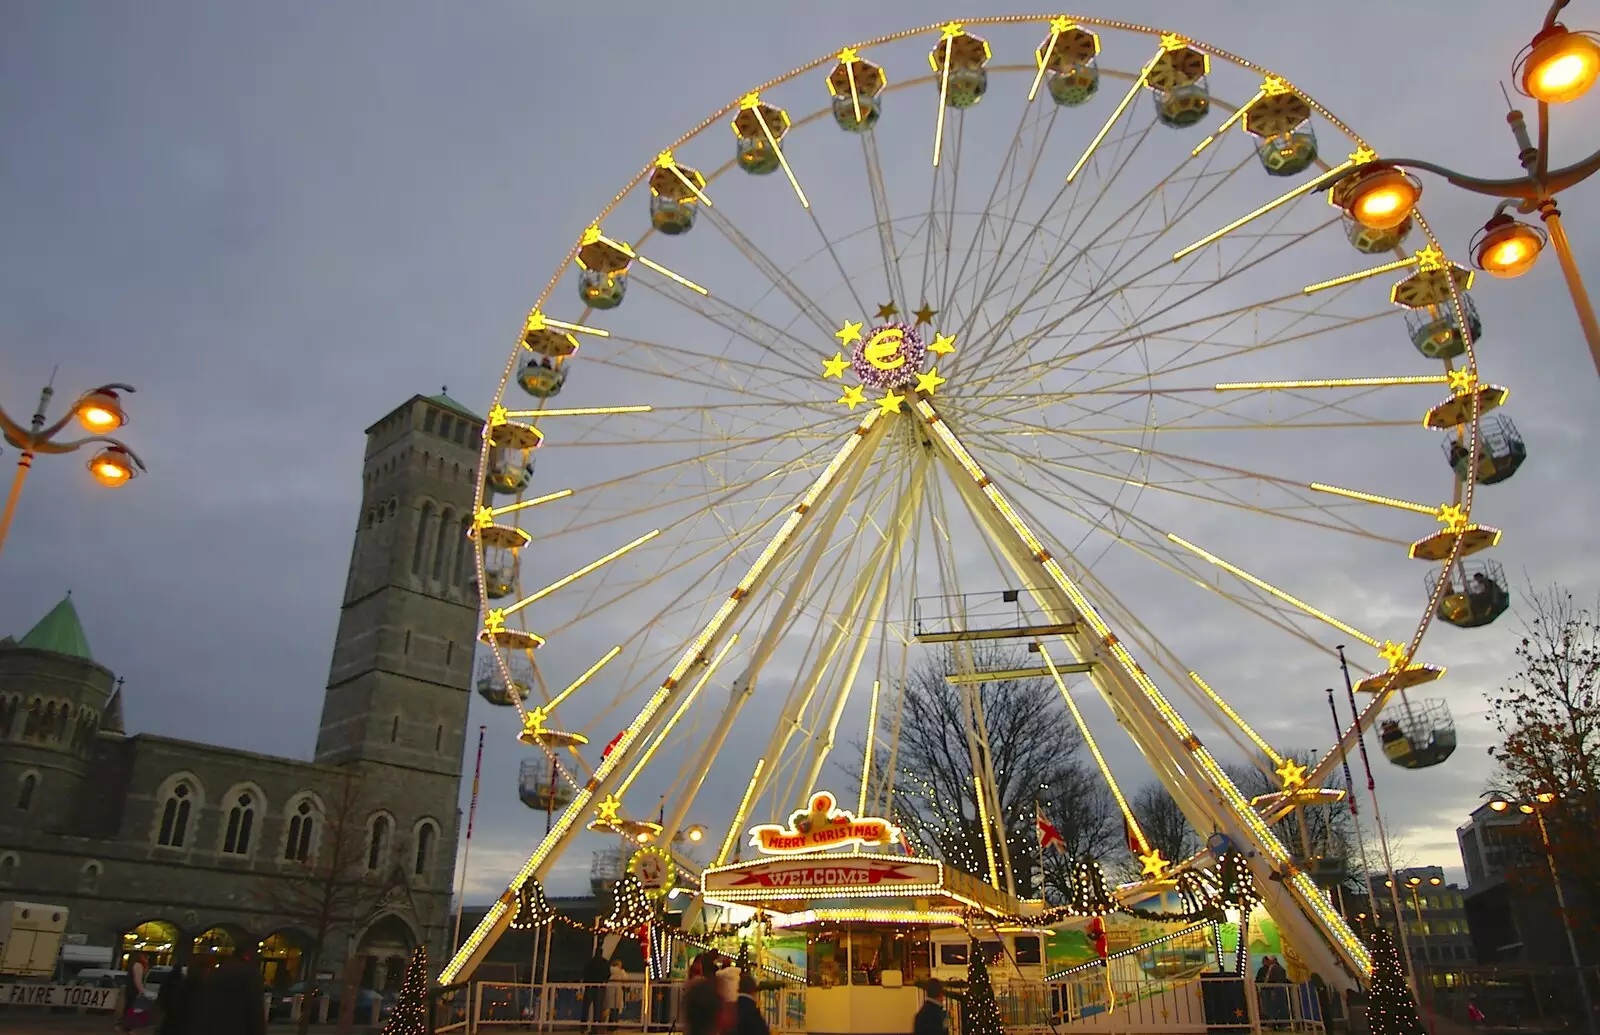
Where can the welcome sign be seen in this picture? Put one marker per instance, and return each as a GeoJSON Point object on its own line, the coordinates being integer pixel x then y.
{"type": "Point", "coordinates": [824, 876]}
{"type": "Point", "coordinates": [86, 997]}
{"type": "Point", "coordinates": [821, 827]}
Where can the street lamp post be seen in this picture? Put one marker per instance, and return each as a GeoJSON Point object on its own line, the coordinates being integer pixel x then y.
{"type": "Point", "coordinates": [1414, 882]}
{"type": "Point", "coordinates": [1536, 808]}
{"type": "Point", "coordinates": [99, 411]}
{"type": "Point", "coordinates": [1557, 66]}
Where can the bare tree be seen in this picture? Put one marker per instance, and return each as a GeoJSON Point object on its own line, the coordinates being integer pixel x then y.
{"type": "Point", "coordinates": [1080, 805]}
{"type": "Point", "coordinates": [1031, 739]}
{"type": "Point", "coordinates": [327, 885]}
{"type": "Point", "coordinates": [1548, 720]}
{"type": "Point", "coordinates": [1165, 826]}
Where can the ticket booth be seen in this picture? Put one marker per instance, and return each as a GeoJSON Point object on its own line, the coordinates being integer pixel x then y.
{"type": "Point", "coordinates": [877, 923]}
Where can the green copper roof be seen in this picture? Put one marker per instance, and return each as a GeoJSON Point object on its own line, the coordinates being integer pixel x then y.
{"type": "Point", "coordinates": [450, 404]}
{"type": "Point", "coordinates": [59, 631]}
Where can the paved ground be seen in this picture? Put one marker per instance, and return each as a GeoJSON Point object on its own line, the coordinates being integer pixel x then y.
{"type": "Point", "coordinates": [18, 1023]}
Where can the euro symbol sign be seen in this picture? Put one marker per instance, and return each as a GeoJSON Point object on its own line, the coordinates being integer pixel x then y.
{"type": "Point", "coordinates": [883, 349]}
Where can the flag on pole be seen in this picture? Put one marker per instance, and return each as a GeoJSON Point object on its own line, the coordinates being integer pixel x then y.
{"type": "Point", "coordinates": [1048, 834]}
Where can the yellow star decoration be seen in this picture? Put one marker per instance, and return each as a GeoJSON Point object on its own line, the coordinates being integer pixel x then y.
{"type": "Point", "coordinates": [1060, 23]}
{"type": "Point", "coordinates": [1461, 381]}
{"type": "Point", "coordinates": [483, 517]}
{"type": "Point", "coordinates": [850, 332]}
{"type": "Point", "coordinates": [1453, 517]}
{"type": "Point", "coordinates": [1292, 773]}
{"type": "Point", "coordinates": [888, 310]}
{"type": "Point", "coordinates": [536, 719]}
{"type": "Point", "coordinates": [848, 56]}
{"type": "Point", "coordinates": [606, 811]}
{"type": "Point", "coordinates": [494, 621]}
{"type": "Point", "coordinates": [1430, 258]}
{"type": "Point", "coordinates": [836, 366]}
{"type": "Point", "coordinates": [1172, 41]}
{"type": "Point", "coordinates": [1392, 654]}
{"type": "Point", "coordinates": [1153, 865]}
{"type": "Point", "coordinates": [853, 396]}
{"type": "Point", "coordinates": [891, 401]}
{"type": "Point", "coordinates": [930, 381]}
{"type": "Point", "coordinates": [943, 344]}
{"type": "Point", "coordinates": [950, 30]}
{"type": "Point", "coordinates": [750, 101]}
{"type": "Point", "coordinates": [498, 416]}
{"type": "Point", "coordinates": [925, 315]}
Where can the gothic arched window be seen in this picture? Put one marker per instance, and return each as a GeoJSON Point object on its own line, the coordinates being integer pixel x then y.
{"type": "Point", "coordinates": [441, 546]}
{"type": "Point", "coordinates": [302, 824]}
{"type": "Point", "coordinates": [241, 821]}
{"type": "Point", "coordinates": [420, 549]}
{"type": "Point", "coordinates": [427, 835]}
{"type": "Point", "coordinates": [25, 788]}
{"type": "Point", "coordinates": [378, 843]}
{"type": "Point", "coordinates": [175, 816]}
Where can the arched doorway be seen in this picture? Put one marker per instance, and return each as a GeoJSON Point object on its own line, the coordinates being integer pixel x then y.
{"type": "Point", "coordinates": [281, 953]}
{"type": "Point", "coordinates": [156, 940]}
{"type": "Point", "coordinates": [386, 946]}
{"type": "Point", "coordinates": [215, 943]}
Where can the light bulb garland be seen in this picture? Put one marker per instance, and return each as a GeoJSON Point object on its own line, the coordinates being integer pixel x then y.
{"type": "Point", "coordinates": [410, 1016]}
{"type": "Point", "coordinates": [630, 907]}
{"type": "Point", "coordinates": [533, 909]}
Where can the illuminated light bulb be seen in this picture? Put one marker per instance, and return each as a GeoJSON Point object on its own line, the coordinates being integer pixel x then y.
{"type": "Point", "coordinates": [1499, 806]}
{"type": "Point", "coordinates": [1507, 248]}
{"type": "Point", "coordinates": [1379, 197]}
{"type": "Point", "coordinates": [1561, 67]}
{"type": "Point", "coordinates": [111, 467]}
{"type": "Point", "coordinates": [101, 411]}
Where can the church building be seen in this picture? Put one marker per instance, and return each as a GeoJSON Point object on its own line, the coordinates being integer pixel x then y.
{"type": "Point", "coordinates": [173, 848]}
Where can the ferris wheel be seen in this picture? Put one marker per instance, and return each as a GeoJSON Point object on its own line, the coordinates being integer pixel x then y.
{"type": "Point", "coordinates": [1049, 312]}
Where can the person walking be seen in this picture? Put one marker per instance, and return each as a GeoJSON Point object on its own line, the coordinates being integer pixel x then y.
{"type": "Point", "coordinates": [931, 1018]}
{"type": "Point", "coordinates": [136, 1005]}
{"type": "Point", "coordinates": [749, 1020]}
{"type": "Point", "coordinates": [595, 975]}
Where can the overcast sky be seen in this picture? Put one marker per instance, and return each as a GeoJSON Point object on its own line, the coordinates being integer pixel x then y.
{"type": "Point", "coordinates": [279, 221]}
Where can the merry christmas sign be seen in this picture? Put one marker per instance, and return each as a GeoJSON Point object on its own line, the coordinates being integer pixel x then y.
{"type": "Point", "coordinates": [822, 827]}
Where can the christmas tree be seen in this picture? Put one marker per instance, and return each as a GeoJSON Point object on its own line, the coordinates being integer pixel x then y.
{"type": "Point", "coordinates": [980, 1013]}
{"type": "Point", "coordinates": [742, 961]}
{"type": "Point", "coordinates": [410, 1016]}
{"type": "Point", "coordinates": [1390, 1008]}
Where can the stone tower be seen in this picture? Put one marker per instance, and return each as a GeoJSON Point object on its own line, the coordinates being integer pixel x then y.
{"type": "Point", "coordinates": [53, 698]}
{"type": "Point", "coordinates": [398, 686]}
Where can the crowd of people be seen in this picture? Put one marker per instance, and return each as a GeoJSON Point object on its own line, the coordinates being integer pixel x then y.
{"type": "Point", "coordinates": [207, 997]}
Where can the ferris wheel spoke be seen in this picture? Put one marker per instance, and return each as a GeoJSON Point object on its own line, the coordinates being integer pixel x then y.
{"type": "Point", "coordinates": [736, 321]}
{"type": "Point", "coordinates": [883, 218]}
{"type": "Point", "coordinates": [1009, 204]}
{"type": "Point", "coordinates": [807, 307]}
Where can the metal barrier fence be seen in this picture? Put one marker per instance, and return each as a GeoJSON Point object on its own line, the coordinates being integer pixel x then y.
{"type": "Point", "coordinates": [1084, 1002]}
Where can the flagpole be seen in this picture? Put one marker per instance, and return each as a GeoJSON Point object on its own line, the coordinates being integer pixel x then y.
{"type": "Point", "coordinates": [466, 846]}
